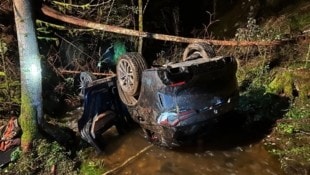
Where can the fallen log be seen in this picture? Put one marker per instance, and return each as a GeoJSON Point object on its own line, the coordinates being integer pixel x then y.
{"type": "Point", "coordinates": [120, 30]}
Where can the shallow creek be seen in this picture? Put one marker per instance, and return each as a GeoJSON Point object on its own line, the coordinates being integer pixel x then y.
{"type": "Point", "coordinates": [231, 147]}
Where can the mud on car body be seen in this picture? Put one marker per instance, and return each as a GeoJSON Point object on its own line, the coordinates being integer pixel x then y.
{"type": "Point", "coordinates": [176, 100]}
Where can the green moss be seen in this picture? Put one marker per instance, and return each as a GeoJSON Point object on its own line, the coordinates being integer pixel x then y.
{"type": "Point", "coordinates": [282, 84]}
{"type": "Point", "coordinates": [27, 121]}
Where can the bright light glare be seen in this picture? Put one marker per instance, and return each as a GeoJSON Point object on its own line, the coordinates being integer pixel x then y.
{"type": "Point", "coordinates": [34, 70]}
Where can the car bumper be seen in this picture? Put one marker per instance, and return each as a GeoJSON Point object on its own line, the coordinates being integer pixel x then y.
{"type": "Point", "coordinates": [195, 117]}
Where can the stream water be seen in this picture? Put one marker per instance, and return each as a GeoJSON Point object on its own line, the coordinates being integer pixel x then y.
{"type": "Point", "coordinates": [230, 147]}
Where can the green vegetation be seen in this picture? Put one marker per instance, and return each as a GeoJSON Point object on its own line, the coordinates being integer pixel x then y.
{"type": "Point", "coordinates": [49, 157]}
{"type": "Point", "coordinates": [282, 83]}
{"type": "Point", "coordinates": [281, 96]}
{"type": "Point", "coordinates": [300, 20]}
{"type": "Point", "coordinates": [298, 112]}
{"type": "Point", "coordinates": [91, 168]}
{"type": "Point", "coordinates": [284, 75]}
{"type": "Point", "coordinates": [16, 154]}
{"type": "Point", "coordinates": [6, 84]}
{"type": "Point", "coordinates": [46, 158]}
{"type": "Point", "coordinates": [91, 165]}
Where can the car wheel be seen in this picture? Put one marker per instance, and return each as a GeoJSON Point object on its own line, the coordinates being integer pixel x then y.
{"type": "Point", "coordinates": [128, 100]}
{"type": "Point", "coordinates": [129, 70]}
{"type": "Point", "coordinates": [198, 50]}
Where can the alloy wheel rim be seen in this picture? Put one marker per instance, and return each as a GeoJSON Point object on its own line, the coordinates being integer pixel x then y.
{"type": "Point", "coordinates": [125, 75]}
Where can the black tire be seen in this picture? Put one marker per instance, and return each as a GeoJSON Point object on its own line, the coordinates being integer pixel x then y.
{"type": "Point", "coordinates": [129, 70]}
{"type": "Point", "coordinates": [198, 50]}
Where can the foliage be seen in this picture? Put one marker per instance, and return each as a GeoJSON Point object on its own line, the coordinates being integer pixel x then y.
{"type": "Point", "coordinates": [5, 88]}
{"type": "Point", "coordinates": [274, 85]}
{"type": "Point", "coordinates": [91, 168]}
{"type": "Point", "coordinates": [254, 32]}
{"type": "Point", "coordinates": [90, 165]}
{"type": "Point", "coordinates": [286, 128]}
{"type": "Point", "coordinates": [41, 159]}
{"type": "Point", "coordinates": [298, 112]}
{"type": "Point", "coordinates": [300, 21]}
{"type": "Point", "coordinates": [295, 151]}
{"type": "Point", "coordinates": [108, 12]}
{"type": "Point", "coordinates": [16, 154]}
{"type": "Point", "coordinates": [9, 84]}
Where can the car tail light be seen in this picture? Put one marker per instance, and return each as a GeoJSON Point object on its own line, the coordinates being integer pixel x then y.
{"type": "Point", "coordinates": [177, 84]}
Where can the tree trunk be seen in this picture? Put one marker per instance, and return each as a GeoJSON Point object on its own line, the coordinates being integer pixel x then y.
{"type": "Point", "coordinates": [140, 7]}
{"type": "Point", "coordinates": [31, 80]}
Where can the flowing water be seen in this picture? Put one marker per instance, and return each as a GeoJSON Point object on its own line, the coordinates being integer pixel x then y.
{"type": "Point", "coordinates": [230, 147]}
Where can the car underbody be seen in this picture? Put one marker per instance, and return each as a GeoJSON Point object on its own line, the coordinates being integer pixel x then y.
{"type": "Point", "coordinates": [169, 102]}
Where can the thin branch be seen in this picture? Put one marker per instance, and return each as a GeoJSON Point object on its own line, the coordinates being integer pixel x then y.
{"type": "Point", "coordinates": [110, 12]}
{"type": "Point", "coordinates": [55, 69]}
{"type": "Point", "coordinates": [147, 3]}
{"type": "Point", "coordinates": [211, 16]}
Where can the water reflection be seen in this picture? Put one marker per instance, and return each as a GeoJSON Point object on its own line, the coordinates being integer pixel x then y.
{"type": "Point", "coordinates": [228, 147]}
{"type": "Point", "coordinates": [244, 160]}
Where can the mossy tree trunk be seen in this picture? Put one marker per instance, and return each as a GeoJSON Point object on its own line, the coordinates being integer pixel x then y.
{"type": "Point", "coordinates": [31, 80]}
{"type": "Point", "coordinates": [140, 9]}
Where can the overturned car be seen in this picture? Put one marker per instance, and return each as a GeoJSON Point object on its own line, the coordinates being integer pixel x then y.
{"type": "Point", "coordinates": [176, 100]}
{"type": "Point", "coordinates": [170, 102]}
